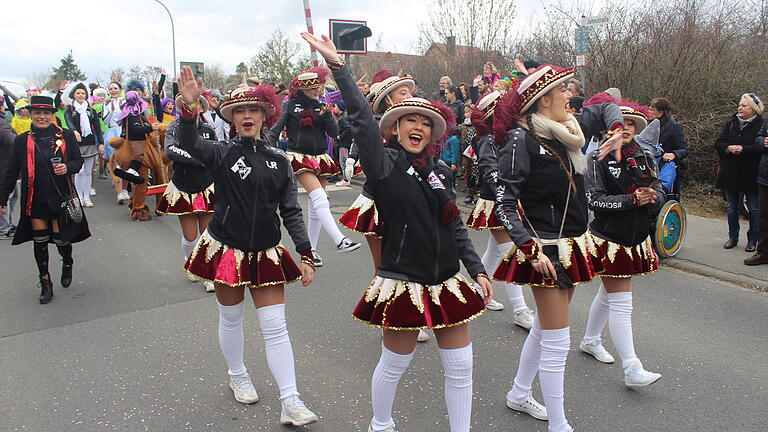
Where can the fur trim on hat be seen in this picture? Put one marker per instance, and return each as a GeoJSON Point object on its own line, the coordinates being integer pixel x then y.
{"type": "Point", "coordinates": [506, 114]}
{"type": "Point", "coordinates": [133, 84]}
{"type": "Point", "coordinates": [381, 75]}
{"type": "Point", "coordinates": [262, 95]}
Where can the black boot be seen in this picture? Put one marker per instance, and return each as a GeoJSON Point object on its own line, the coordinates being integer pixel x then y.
{"type": "Point", "coordinates": [46, 289]}
{"type": "Point", "coordinates": [66, 275]}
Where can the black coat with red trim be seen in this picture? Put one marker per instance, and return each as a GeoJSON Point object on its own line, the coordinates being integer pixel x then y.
{"type": "Point", "coordinates": [46, 186]}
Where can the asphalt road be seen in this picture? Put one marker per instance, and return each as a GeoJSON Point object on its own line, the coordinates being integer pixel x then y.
{"type": "Point", "coordinates": [132, 346]}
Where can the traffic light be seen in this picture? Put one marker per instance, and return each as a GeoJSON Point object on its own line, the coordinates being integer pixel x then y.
{"type": "Point", "coordinates": [350, 36]}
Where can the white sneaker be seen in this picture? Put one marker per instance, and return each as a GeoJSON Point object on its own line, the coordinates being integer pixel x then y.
{"type": "Point", "coordinates": [209, 286]}
{"type": "Point", "coordinates": [530, 407]}
{"type": "Point", "coordinates": [317, 260]}
{"type": "Point", "coordinates": [389, 429]}
{"type": "Point", "coordinates": [494, 305]}
{"type": "Point", "coordinates": [93, 192]}
{"type": "Point", "coordinates": [243, 389]}
{"type": "Point", "coordinates": [347, 245]}
{"type": "Point", "coordinates": [597, 350]}
{"type": "Point", "coordinates": [294, 412]}
{"type": "Point", "coordinates": [87, 202]}
{"type": "Point", "coordinates": [192, 278]}
{"type": "Point", "coordinates": [637, 376]}
{"type": "Point", "coordinates": [523, 318]}
{"type": "Point", "coordinates": [423, 336]}
{"type": "Point", "coordinates": [342, 183]}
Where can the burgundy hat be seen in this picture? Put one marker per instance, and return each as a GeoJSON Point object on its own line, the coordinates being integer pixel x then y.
{"type": "Point", "coordinates": [39, 102]}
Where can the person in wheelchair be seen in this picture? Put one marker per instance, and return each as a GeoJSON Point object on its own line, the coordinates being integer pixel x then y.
{"type": "Point", "coordinates": [623, 196]}
{"type": "Point", "coordinates": [672, 162]}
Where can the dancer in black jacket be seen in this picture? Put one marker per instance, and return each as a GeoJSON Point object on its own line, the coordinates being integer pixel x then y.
{"type": "Point", "coordinates": [308, 124]}
{"type": "Point", "coordinates": [624, 196]}
{"type": "Point", "coordinates": [241, 247]}
{"type": "Point", "coordinates": [418, 284]}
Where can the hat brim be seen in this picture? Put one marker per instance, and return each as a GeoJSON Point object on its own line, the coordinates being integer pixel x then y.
{"type": "Point", "coordinates": [554, 84]}
{"type": "Point", "coordinates": [382, 93]}
{"type": "Point", "coordinates": [640, 122]}
{"type": "Point", "coordinates": [227, 109]}
{"type": "Point", "coordinates": [40, 108]}
{"type": "Point", "coordinates": [204, 106]}
{"type": "Point", "coordinates": [393, 115]}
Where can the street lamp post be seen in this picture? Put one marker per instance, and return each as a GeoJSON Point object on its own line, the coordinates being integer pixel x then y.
{"type": "Point", "coordinates": [173, 36]}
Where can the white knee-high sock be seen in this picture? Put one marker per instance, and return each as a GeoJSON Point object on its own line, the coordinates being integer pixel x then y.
{"type": "Point", "coordinates": [620, 325]}
{"type": "Point", "coordinates": [490, 259]}
{"type": "Point", "coordinates": [313, 225]}
{"type": "Point", "coordinates": [323, 211]}
{"type": "Point", "coordinates": [457, 368]}
{"type": "Point", "coordinates": [384, 385]}
{"type": "Point", "coordinates": [528, 367]}
{"type": "Point", "coordinates": [187, 246]}
{"type": "Point", "coordinates": [231, 337]}
{"type": "Point", "coordinates": [278, 348]}
{"type": "Point", "coordinates": [554, 351]}
{"type": "Point", "coordinates": [598, 316]}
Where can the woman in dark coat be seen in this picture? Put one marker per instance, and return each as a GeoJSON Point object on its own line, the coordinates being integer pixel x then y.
{"type": "Point", "coordinates": [739, 159]}
{"type": "Point", "coordinates": [46, 157]}
{"type": "Point", "coordinates": [672, 140]}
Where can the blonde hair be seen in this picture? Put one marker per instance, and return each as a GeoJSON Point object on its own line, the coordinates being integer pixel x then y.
{"type": "Point", "coordinates": [754, 102]}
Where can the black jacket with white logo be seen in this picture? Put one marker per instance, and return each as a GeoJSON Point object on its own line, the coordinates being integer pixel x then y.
{"type": "Point", "coordinates": [189, 175]}
{"type": "Point", "coordinates": [610, 185]}
{"type": "Point", "coordinates": [416, 246]}
{"type": "Point", "coordinates": [253, 181]}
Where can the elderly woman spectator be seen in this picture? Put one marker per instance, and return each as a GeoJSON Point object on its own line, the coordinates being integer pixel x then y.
{"type": "Point", "coordinates": [739, 155]}
{"type": "Point", "coordinates": [761, 256]}
{"type": "Point", "coordinates": [672, 141]}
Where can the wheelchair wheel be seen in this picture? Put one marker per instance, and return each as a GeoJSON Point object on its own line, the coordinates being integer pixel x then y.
{"type": "Point", "coordinates": [670, 229]}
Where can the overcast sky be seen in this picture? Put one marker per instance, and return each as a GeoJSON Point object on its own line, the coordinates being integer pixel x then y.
{"type": "Point", "coordinates": [103, 34]}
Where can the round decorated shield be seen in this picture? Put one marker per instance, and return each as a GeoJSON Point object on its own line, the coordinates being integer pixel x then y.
{"type": "Point", "coordinates": [670, 229]}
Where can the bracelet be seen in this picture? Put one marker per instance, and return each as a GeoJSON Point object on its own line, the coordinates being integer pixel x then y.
{"type": "Point", "coordinates": [613, 132]}
{"type": "Point", "coordinates": [308, 261]}
{"type": "Point", "coordinates": [189, 107]}
{"type": "Point", "coordinates": [335, 65]}
{"type": "Point", "coordinates": [484, 274]}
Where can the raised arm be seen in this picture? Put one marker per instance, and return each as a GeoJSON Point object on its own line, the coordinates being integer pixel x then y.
{"type": "Point", "coordinates": [210, 153]}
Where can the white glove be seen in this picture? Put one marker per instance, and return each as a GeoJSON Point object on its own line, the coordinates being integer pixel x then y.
{"type": "Point", "coordinates": [349, 169]}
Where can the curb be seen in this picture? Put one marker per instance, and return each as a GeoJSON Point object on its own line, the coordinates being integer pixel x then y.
{"type": "Point", "coordinates": [708, 271]}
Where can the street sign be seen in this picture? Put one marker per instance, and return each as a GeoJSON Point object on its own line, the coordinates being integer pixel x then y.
{"type": "Point", "coordinates": [581, 60]}
{"type": "Point", "coordinates": [198, 68]}
{"type": "Point", "coordinates": [582, 40]}
{"type": "Point", "coordinates": [349, 36]}
{"type": "Point", "coordinates": [595, 21]}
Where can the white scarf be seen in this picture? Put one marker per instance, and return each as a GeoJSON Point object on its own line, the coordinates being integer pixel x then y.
{"type": "Point", "coordinates": [85, 121]}
{"type": "Point", "coordinates": [567, 133]}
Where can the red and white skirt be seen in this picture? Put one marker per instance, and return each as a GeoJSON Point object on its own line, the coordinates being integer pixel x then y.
{"type": "Point", "coordinates": [483, 216]}
{"type": "Point", "coordinates": [322, 165]}
{"type": "Point", "coordinates": [402, 305]}
{"type": "Point", "coordinates": [217, 262]}
{"type": "Point", "coordinates": [362, 217]}
{"type": "Point", "coordinates": [177, 202]}
{"type": "Point", "coordinates": [621, 261]}
{"type": "Point", "coordinates": [578, 255]}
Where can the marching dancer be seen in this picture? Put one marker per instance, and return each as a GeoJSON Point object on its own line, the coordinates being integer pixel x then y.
{"type": "Point", "coordinates": [241, 247]}
{"type": "Point", "coordinates": [541, 170]}
{"type": "Point", "coordinates": [362, 216]}
{"type": "Point", "coordinates": [189, 195]}
{"type": "Point", "coordinates": [307, 120]}
{"type": "Point", "coordinates": [418, 284]}
{"type": "Point", "coordinates": [46, 157]}
{"type": "Point", "coordinates": [624, 196]}
{"type": "Point", "coordinates": [483, 216]}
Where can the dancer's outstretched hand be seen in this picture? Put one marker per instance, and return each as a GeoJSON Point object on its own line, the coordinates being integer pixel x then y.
{"type": "Point", "coordinates": [189, 87]}
{"type": "Point", "coordinates": [323, 45]}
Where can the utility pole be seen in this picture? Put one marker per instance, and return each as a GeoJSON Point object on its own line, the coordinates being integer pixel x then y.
{"type": "Point", "coordinates": [310, 29]}
{"type": "Point", "coordinates": [173, 37]}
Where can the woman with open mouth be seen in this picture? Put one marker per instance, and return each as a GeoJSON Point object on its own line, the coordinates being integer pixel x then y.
{"type": "Point", "coordinates": [307, 121]}
{"type": "Point", "coordinates": [241, 246]}
{"type": "Point", "coordinates": [418, 284]}
{"type": "Point", "coordinates": [625, 197]}
{"type": "Point", "coordinates": [542, 204]}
